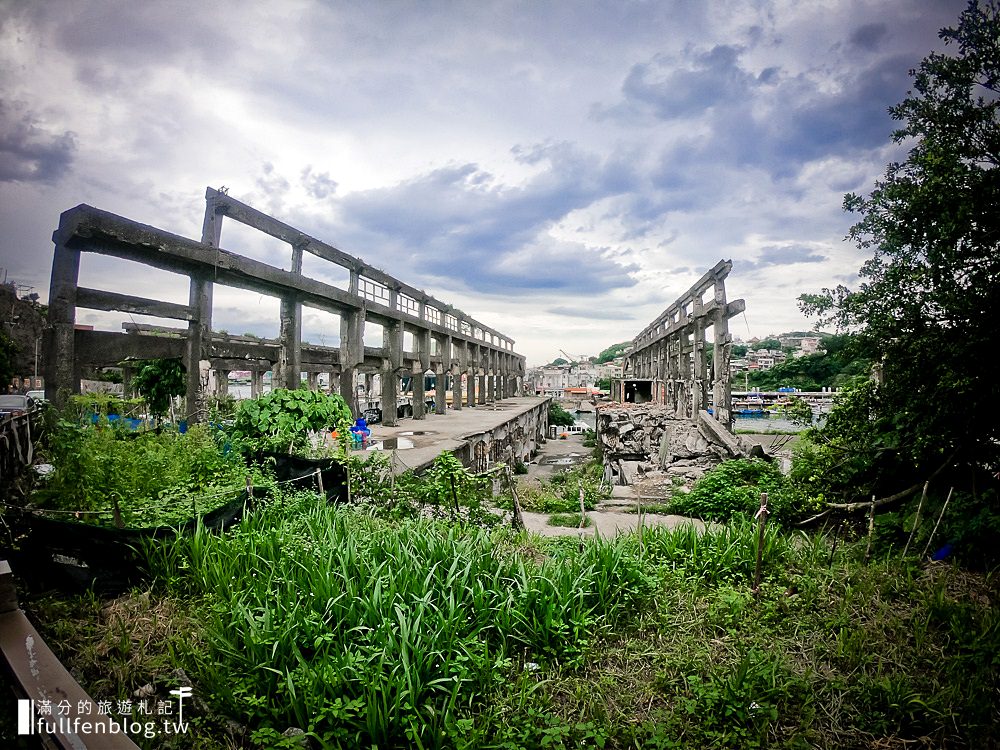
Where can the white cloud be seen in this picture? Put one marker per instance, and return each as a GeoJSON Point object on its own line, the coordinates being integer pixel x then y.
{"type": "Point", "coordinates": [528, 163]}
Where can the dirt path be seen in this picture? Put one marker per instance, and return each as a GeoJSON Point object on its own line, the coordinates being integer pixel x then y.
{"type": "Point", "coordinates": [611, 516]}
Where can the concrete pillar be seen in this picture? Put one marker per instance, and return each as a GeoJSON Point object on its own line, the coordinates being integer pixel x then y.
{"type": "Point", "coordinates": [721, 386]}
{"type": "Point", "coordinates": [457, 368]}
{"type": "Point", "coordinates": [256, 383]}
{"type": "Point", "coordinates": [60, 372]}
{"type": "Point", "coordinates": [127, 381]}
{"type": "Point", "coordinates": [440, 389]}
{"type": "Point", "coordinates": [313, 381]}
{"type": "Point", "coordinates": [352, 353]}
{"type": "Point", "coordinates": [422, 342]}
{"type": "Point", "coordinates": [417, 391]}
{"type": "Point", "coordinates": [481, 386]}
{"type": "Point", "coordinates": [222, 383]}
{"type": "Point", "coordinates": [289, 367]}
{"type": "Point", "coordinates": [470, 374]}
{"type": "Point", "coordinates": [335, 381]}
{"type": "Point", "coordinates": [198, 347]}
{"type": "Point", "coordinates": [392, 364]}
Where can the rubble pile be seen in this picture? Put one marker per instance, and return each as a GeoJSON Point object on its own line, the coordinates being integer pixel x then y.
{"type": "Point", "coordinates": [647, 443]}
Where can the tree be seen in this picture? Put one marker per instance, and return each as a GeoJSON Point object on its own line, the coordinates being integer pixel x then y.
{"type": "Point", "coordinates": [558, 361]}
{"type": "Point", "coordinates": [769, 343]}
{"type": "Point", "coordinates": [924, 310]}
{"type": "Point", "coordinates": [559, 416]}
{"type": "Point", "coordinates": [612, 352]}
{"type": "Point", "coordinates": [8, 355]}
{"type": "Point", "coordinates": [158, 381]}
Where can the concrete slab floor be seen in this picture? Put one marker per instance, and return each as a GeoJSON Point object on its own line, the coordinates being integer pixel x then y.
{"type": "Point", "coordinates": [425, 439]}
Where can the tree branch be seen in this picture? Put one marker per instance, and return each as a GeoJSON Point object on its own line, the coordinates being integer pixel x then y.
{"type": "Point", "coordinates": [867, 504]}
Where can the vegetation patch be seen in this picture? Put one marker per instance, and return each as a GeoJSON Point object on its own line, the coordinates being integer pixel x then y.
{"type": "Point", "coordinates": [572, 520]}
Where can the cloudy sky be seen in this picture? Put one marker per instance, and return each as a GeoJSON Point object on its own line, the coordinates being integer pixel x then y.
{"type": "Point", "coordinates": [561, 171]}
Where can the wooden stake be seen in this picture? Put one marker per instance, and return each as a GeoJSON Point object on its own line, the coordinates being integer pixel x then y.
{"type": "Point", "coordinates": [517, 521]}
{"type": "Point", "coordinates": [454, 495]}
{"type": "Point", "coordinates": [638, 512]}
{"type": "Point", "coordinates": [940, 516]}
{"type": "Point", "coordinates": [762, 520]}
{"type": "Point", "coordinates": [871, 529]}
{"type": "Point", "coordinates": [916, 520]}
{"type": "Point", "coordinates": [583, 515]}
{"type": "Point", "coordinates": [117, 512]}
{"type": "Point", "coordinates": [319, 481]}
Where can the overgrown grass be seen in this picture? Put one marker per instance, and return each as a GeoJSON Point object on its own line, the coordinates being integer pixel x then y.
{"type": "Point", "coordinates": [571, 520]}
{"type": "Point", "coordinates": [407, 633]}
{"type": "Point", "coordinates": [155, 478]}
{"type": "Point", "coordinates": [360, 630]}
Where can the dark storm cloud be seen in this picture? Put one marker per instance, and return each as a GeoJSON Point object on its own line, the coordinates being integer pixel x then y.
{"type": "Point", "coordinates": [780, 256]}
{"type": "Point", "coordinates": [460, 222]}
{"type": "Point", "coordinates": [589, 312]}
{"type": "Point", "coordinates": [869, 36]}
{"type": "Point", "coordinates": [670, 91]}
{"type": "Point", "coordinates": [772, 121]}
{"type": "Point", "coordinates": [29, 152]}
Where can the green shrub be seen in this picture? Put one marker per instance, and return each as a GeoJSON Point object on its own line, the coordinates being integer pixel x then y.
{"type": "Point", "coordinates": [283, 418]}
{"type": "Point", "coordinates": [156, 478]}
{"type": "Point", "coordinates": [734, 488]}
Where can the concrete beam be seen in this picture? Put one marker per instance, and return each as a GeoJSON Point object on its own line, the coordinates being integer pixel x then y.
{"type": "Point", "coordinates": [97, 299]}
{"type": "Point", "coordinates": [106, 348]}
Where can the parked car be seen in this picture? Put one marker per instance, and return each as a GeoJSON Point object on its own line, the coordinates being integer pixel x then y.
{"type": "Point", "coordinates": [37, 396]}
{"type": "Point", "coordinates": [13, 405]}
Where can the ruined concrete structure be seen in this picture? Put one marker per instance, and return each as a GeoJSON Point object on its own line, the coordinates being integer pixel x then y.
{"type": "Point", "coordinates": [669, 353]}
{"type": "Point", "coordinates": [446, 341]}
{"type": "Point", "coordinates": [662, 424]}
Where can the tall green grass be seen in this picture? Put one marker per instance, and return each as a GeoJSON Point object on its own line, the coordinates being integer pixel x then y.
{"type": "Point", "coordinates": [363, 631]}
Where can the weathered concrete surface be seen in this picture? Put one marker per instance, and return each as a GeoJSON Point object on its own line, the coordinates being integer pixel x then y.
{"type": "Point", "coordinates": [515, 423]}
{"type": "Point", "coordinates": [611, 517]}
{"type": "Point", "coordinates": [372, 295]}
{"type": "Point", "coordinates": [607, 523]}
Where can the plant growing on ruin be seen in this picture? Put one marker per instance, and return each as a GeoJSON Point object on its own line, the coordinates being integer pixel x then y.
{"type": "Point", "coordinates": [559, 416]}
{"type": "Point", "coordinates": [159, 380]}
{"type": "Point", "coordinates": [284, 418]}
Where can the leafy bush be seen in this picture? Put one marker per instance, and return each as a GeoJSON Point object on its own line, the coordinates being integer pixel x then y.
{"type": "Point", "coordinates": [283, 418]}
{"type": "Point", "coordinates": [158, 381]}
{"type": "Point", "coordinates": [571, 520]}
{"type": "Point", "coordinates": [156, 478]}
{"type": "Point", "coordinates": [734, 488]}
{"type": "Point", "coordinates": [559, 416]}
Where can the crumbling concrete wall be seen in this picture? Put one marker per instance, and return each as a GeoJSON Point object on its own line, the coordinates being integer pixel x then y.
{"type": "Point", "coordinates": [650, 442]}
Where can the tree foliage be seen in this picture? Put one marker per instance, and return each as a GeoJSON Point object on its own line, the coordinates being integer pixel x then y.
{"type": "Point", "coordinates": [158, 381]}
{"type": "Point", "coordinates": [613, 351]}
{"type": "Point", "coordinates": [833, 368]}
{"type": "Point", "coordinates": [923, 310]}
{"type": "Point", "coordinates": [8, 353]}
{"type": "Point", "coordinates": [559, 416]}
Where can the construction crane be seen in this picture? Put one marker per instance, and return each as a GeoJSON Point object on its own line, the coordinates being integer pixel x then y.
{"type": "Point", "coordinates": [571, 358]}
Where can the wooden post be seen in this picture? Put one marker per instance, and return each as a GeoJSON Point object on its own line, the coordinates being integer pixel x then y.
{"type": "Point", "coordinates": [762, 521]}
{"type": "Point", "coordinates": [871, 529]}
{"type": "Point", "coordinates": [517, 521]}
{"type": "Point", "coordinates": [940, 516]}
{"type": "Point", "coordinates": [117, 511]}
{"type": "Point", "coordinates": [319, 481]}
{"type": "Point", "coordinates": [916, 520]}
